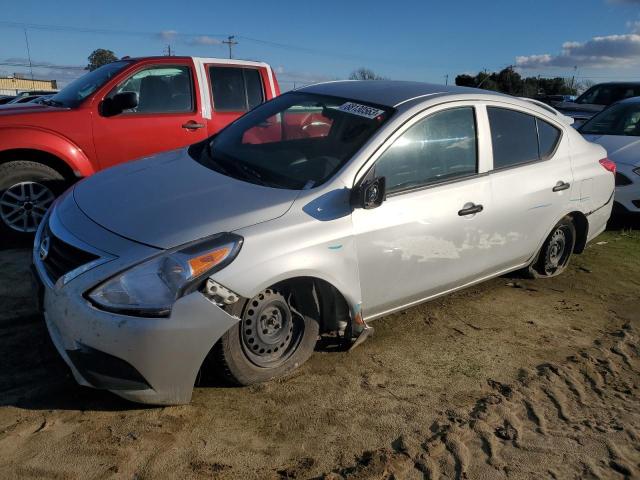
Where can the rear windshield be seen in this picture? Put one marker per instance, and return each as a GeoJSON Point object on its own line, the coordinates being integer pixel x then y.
{"type": "Point", "coordinates": [619, 119]}
{"type": "Point", "coordinates": [296, 141]}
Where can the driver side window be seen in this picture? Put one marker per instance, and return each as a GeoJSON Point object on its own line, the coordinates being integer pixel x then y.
{"type": "Point", "coordinates": [161, 89]}
{"type": "Point", "coordinates": [438, 148]}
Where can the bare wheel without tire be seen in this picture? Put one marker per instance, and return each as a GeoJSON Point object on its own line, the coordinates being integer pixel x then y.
{"type": "Point", "coordinates": [556, 251]}
{"type": "Point", "coordinates": [27, 190]}
{"type": "Point", "coordinates": [271, 340]}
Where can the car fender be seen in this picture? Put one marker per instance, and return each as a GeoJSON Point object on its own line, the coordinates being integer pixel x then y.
{"type": "Point", "coordinates": [35, 138]}
{"type": "Point", "coordinates": [281, 250]}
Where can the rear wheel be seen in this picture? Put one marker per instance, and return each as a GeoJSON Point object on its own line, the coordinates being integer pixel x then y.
{"type": "Point", "coordinates": [556, 251]}
{"type": "Point", "coordinates": [271, 340]}
{"type": "Point", "coordinates": [27, 190]}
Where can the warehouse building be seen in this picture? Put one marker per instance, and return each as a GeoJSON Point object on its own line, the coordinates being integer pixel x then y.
{"type": "Point", "coordinates": [15, 84]}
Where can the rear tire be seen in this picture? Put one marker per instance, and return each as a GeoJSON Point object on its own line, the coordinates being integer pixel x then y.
{"type": "Point", "coordinates": [553, 258]}
{"type": "Point", "coordinates": [27, 190]}
{"type": "Point", "coordinates": [271, 340]}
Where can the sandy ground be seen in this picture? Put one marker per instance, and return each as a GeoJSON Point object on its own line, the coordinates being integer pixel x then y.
{"type": "Point", "coordinates": [510, 379]}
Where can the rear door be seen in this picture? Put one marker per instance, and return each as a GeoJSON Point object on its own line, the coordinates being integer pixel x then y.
{"type": "Point", "coordinates": [234, 90]}
{"type": "Point", "coordinates": [168, 114]}
{"type": "Point", "coordinates": [531, 183]}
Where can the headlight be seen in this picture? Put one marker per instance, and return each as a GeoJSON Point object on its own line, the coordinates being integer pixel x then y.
{"type": "Point", "coordinates": [151, 288]}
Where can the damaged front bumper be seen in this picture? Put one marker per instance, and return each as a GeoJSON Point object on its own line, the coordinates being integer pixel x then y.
{"type": "Point", "coordinates": [147, 360]}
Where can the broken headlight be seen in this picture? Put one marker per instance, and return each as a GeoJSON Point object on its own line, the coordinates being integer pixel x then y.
{"type": "Point", "coordinates": [151, 287]}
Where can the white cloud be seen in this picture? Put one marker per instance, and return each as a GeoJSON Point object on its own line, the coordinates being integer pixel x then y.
{"type": "Point", "coordinates": [599, 52]}
{"type": "Point", "coordinates": [205, 40]}
{"type": "Point", "coordinates": [167, 35]}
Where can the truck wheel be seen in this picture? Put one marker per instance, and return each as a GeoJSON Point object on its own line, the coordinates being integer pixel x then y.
{"type": "Point", "coordinates": [556, 251]}
{"type": "Point", "coordinates": [270, 341]}
{"type": "Point", "coordinates": [27, 190]}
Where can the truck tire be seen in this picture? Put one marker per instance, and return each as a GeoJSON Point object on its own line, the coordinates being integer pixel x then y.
{"type": "Point", "coordinates": [270, 341]}
{"type": "Point", "coordinates": [556, 250]}
{"type": "Point", "coordinates": [27, 190]}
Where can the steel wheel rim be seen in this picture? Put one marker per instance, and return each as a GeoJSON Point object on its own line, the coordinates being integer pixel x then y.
{"type": "Point", "coordinates": [24, 205]}
{"type": "Point", "coordinates": [270, 332]}
{"type": "Point", "coordinates": [557, 254]}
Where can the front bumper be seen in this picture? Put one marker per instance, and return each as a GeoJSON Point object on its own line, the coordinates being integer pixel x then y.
{"type": "Point", "coordinates": [147, 360]}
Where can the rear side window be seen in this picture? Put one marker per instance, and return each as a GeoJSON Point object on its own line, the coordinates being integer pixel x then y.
{"type": "Point", "coordinates": [438, 148]}
{"type": "Point", "coordinates": [519, 138]}
{"type": "Point", "coordinates": [514, 136]}
{"type": "Point", "coordinates": [235, 89]}
{"type": "Point", "coordinates": [548, 137]}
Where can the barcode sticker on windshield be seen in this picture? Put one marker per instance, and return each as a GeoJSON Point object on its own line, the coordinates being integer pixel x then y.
{"type": "Point", "coordinates": [361, 110]}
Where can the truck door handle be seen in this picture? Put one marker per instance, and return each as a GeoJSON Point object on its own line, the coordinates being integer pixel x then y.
{"type": "Point", "coordinates": [470, 210]}
{"type": "Point", "coordinates": [561, 186]}
{"type": "Point", "coordinates": [192, 125]}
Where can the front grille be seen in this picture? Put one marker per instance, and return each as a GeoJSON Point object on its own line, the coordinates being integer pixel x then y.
{"type": "Point", "coordinates": [622, 180]}
{"type": "Point", "coordinates": [63, 258]}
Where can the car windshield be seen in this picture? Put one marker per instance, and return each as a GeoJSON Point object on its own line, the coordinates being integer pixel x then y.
{"type": "Point", "coordinates": [618, 119]}
{"type": "Point", "coordinates": [74, 93]}
{"type": "Point", "coordinates": [608, 94]}
{"type": "Point", "coordinates": [296, 141]}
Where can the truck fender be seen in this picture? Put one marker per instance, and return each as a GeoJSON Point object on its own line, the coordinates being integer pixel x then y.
{"type": "Point", "coordinates": [38, 139]}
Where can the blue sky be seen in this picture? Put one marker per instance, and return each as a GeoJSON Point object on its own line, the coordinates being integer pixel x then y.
{"type": "Point", "coordinates": [314, 41]}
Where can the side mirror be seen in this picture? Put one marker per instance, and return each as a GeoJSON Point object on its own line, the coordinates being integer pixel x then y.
{"type": "Point", "coordinates": [119, 103]}
{"type": "Point", "coordinates": [370, 194]}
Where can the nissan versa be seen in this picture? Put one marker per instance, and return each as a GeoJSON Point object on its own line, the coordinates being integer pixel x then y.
{"type": "Point", "coordinates": [314, 213]}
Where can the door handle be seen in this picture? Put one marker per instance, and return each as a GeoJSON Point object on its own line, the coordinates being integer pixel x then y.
{"type": "Point", "coordinates": [470, 210]}
{"type": "Point", "coordinates": [561, 186]}
{"type": "Point", "coordinates": [192, 125]}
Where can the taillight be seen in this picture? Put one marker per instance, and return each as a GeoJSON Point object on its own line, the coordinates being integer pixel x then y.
{"type": "Point", "coordinates": [608, 165]}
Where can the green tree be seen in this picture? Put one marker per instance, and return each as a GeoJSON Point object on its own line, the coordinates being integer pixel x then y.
{"type": "Point", "coordinates": [100, 57]}
{"type": "Point", "coordinates": [364, 74]}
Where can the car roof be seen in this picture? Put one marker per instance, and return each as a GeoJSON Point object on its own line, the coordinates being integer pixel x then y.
{"type": "Point", "coordinates": [390, 93]}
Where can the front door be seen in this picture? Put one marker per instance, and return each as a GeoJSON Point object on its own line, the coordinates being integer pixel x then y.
{"type": "Point", "coordinates": [427, 237]}
{"type": "Point", "coordinates": [167, 116]}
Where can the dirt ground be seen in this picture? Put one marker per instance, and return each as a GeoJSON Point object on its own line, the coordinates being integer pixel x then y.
{"type": "Point", "coordinates": [510, 379]}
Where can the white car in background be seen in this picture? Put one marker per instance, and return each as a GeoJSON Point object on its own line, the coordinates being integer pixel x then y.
{"type": "Point", "coordinates": [617, 129]}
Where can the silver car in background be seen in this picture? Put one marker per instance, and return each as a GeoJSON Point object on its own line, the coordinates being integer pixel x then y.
{"type": "Point", "coordinates": [617, 129]}
{"type": "Point", "coordinates": [312, 214]}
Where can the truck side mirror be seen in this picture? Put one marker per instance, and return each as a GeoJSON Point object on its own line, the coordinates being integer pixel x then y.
{"type": "Point", "coordinates": [119, 103]}
{"type": "Point", "coordinates": [369, 194]}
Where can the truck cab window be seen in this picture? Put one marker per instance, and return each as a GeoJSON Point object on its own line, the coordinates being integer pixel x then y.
{"type": "Point", "coordinates": [235, 89]}
{"type": "Point", "coordinates": [161, 89]}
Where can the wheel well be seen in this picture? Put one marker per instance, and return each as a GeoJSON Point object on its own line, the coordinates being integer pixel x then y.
{"type": "Point", "coordinates": [582, 229]}
{"type": "Point", "coordinates": [39, 156]}
{"type": "Point", "coordinates": [317, 299]}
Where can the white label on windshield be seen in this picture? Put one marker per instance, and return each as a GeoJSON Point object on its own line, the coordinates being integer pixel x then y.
{"type": "Point", "coordinates": [361, 110]}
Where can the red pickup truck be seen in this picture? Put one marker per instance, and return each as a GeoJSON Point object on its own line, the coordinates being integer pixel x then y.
{"type": "Point", "coordinates": [125, 110]}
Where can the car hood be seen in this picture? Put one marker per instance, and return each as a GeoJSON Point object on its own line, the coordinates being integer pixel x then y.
{"type": "Point", "coordinates": [170, 199]}
{"type": "Point", "coordinates": [620, 148]}
{"type": "Point", "coordinates": [23, 108]}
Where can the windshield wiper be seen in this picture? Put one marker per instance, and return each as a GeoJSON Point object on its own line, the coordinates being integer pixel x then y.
{"type": "Point", "coordinates": [53, 103]}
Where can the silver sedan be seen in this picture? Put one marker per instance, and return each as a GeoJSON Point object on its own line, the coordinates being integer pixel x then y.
{"type": "Point", "coordinates": [311, 215]}
{"type": "Point", "coordinates": [617, 129]}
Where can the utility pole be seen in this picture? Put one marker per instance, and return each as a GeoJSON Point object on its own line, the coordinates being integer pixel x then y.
{"type": "Point", "coordinates": [26, 39]}
{"type": "Point", "coordinates": [446, 79]}
{"type": "Point", "coordinates": [230, 42]}
{"type": "Point", "coordinates": [168, 50]}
